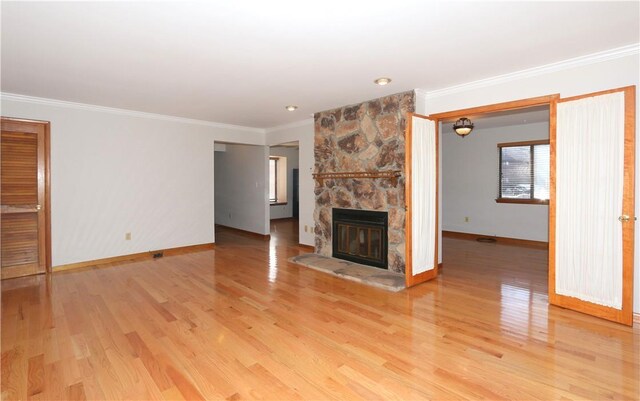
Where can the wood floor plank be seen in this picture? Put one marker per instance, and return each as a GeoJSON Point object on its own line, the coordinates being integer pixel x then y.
{"type": "Point", "coordinates": [241, 322]}
{"type": "Point", "coordinates": [35, 375]}
{"type": "Point", "coordinates": [76, 392]}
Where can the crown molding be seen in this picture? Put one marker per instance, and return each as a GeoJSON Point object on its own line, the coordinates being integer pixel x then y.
{"type": "Point", "coordinates": [593, 58]}
{"type": "Point", "coordinates": [124, 112]}
{"type": "Point", "coordinates": [308, 121]}
{"type": "Point", "coordinates": [421, 92]}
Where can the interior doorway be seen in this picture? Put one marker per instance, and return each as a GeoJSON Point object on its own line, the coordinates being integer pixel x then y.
{"type": "Point", "coordinates": [241, 189]}
{"type": "Point", "coordinates": [591, 198]}
{"type": "Point", "coordinates": [283, 181]}
{"type": "Point", "coordinates": [495, 203]}
{"type": "Point", "coordinates": [495, 181]}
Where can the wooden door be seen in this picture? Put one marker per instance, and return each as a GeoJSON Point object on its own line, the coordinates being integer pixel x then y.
{"type": "Point", "coordinates": [24, 198]}
{"type": "Point", "coordinates": [421, 197]}
{"type": "Point", "coordinates": [592, 203]}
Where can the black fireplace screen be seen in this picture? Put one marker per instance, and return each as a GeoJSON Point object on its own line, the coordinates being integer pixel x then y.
{"type": "Point", "coordinates": [360, 236]}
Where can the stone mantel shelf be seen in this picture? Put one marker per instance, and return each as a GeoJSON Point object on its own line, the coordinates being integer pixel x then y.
{"type": "Point", "coordinates": [390, 174]}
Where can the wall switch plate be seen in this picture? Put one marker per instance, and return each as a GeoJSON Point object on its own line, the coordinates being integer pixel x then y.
{"type": "Point", "coordinates": [127, 236]}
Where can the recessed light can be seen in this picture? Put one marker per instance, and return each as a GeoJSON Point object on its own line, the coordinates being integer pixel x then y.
{"type": "Point", "coordinates": [382, 81]}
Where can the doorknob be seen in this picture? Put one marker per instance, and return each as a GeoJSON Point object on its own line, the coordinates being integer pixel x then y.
{"type": "Point", "coordinates": [38, 207]}
{"type": "Point", "coordinates": [624, 218]}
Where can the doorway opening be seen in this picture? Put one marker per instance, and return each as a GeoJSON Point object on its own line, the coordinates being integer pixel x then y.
{"type": "Point", "coordinates": [240, 190]}
{"type": "Point", "coordinates": [591, 198]}
{"type": "Point", "coordinates": [284, 191]}
{"type": "Point", "coordinates": [495, 200]}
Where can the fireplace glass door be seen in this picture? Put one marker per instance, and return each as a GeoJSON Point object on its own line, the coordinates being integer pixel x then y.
{"type": "Point", "coordinates": [360, 236]}
{"type": "Point", "coordinates": [364, 242]}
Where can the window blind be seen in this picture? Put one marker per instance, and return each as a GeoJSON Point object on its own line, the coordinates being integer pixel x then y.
{"type": "Point", "coordinates": [524, 170]}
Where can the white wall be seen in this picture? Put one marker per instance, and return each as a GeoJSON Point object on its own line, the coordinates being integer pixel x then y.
{"type": "Point", "coordinates": [303, 133]}
{"type": "Point", "coordinates": [114, 172]}
{"type": "Point", "coordinates": [284, 211]}
{"type": "Point", "coordinates": [242, 191]}
{"type": "Point", "coordinates": [470, 185]}
{"type": "Point", "coordinates": [570, 79]}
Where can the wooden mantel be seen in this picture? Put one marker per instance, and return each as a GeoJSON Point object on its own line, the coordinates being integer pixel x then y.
{"type": "Point", "coordinates": [389, 174]}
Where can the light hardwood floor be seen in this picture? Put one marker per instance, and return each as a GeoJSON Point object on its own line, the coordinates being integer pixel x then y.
{"type": "Point", "coordinates": [240, 322]}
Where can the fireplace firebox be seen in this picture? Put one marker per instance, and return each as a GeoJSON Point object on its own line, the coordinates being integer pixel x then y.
{"type": "Point", "coordinates": [360, 236]}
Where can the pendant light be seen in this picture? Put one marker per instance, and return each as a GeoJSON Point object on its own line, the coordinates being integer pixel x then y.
{"type": "Point", "coordinates": [463, 127]}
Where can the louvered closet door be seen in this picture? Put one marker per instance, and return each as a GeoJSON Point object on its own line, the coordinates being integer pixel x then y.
{"type": "Point", "coordinates": [23, 198]}
{"type": "Point", "coordinates": [591, 207]}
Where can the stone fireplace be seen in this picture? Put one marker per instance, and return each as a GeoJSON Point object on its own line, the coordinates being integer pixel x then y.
{"type": "Point", "coordinates": [366, 139]}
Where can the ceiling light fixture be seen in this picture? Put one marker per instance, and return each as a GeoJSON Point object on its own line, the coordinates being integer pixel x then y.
{"type": "Point", "coordinates": [291, 107]}
{"type": "Point", "coordinates": [382, 81]}
{"type": "Point", "coordinates": [463, 127]}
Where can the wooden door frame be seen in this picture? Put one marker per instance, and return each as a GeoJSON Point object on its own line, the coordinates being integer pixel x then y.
{"type": "Point", "coordinates": [497, 107]}
{"type": "Point", "coordinates": [410, 279]}
{"type": "Point", "coordinates": [628, 207]}
{"type": "Point", "coordinates": [47, 183]}
{"type": "Point", "coordinates": [492, 108]}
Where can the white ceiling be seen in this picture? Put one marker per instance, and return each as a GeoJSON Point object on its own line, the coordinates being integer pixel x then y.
{"type": "Point", "coordinates": [241, 62]}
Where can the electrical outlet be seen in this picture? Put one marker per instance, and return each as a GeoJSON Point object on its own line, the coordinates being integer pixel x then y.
{"type": "Point", "coordinates": [466, 219]}
{"type": "Point", "coordinates": [306, 228]}
{"type": "Point", "coordinates": [127, 236]}
{"type": "Point", "coordinates": [229, 216]}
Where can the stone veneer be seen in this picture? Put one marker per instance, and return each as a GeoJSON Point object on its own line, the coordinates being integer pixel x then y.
{"type": "Point", "coordinates": [363, 137]}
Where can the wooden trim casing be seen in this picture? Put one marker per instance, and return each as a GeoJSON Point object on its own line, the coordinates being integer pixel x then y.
{"type": "Point", "coordinates": [523, 201]}
{"type": "Point", "coordinates": [624, 315]}
{"type": "Point", "coordinates": [134, 257]}
{"type": "Point", "coordinates": [410, 278]}
{"type": "Point", "coordinates": [47, 197]}
{"type": "Point", "coordinates": [511, 105]}
{"type": "Point", "coordinates": [628, 205]}
{"type": "Point", "coordinates": [523, 143]}
{"type": "Point", "coordinates": [408, 191]}
{"type": "Point", "coordinates": [553, 121]}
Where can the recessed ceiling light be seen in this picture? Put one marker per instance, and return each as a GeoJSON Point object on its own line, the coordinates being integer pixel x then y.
{"type": "Point", "coordinates": [382, 81]}
{"type": "Point", "coordinates": [291, 107]}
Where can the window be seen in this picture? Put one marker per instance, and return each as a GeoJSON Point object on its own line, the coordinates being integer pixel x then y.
{"type": "Point", "coordinates": [278, 180]}
{"type": "Point", "coordinates": [524, 172]}
{"type": "Point", "coordinates": [273, 180]}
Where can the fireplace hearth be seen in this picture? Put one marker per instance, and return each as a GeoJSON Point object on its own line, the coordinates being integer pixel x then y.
{"type": "Point", "coordinates": [360, 236]}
